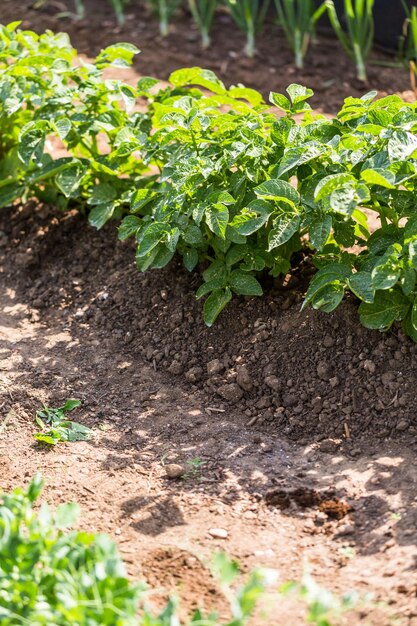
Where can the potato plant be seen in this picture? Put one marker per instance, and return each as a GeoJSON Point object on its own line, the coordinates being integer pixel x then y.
{"type": "Point", "coordinates": [212, 175]}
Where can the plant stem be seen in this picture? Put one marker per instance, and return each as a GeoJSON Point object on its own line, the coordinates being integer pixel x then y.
{"type": "Point", "coordinates": [205, 39]}
{"type": "Point", "coordinates": [250, 42]}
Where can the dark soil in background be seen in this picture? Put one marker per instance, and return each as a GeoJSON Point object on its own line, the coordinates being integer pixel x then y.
{"type": "Point", "coordinates": [327, 69]}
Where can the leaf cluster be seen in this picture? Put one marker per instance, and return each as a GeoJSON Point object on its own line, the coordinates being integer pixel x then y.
{"type": "Point", "coordinates": [213, 175]}
{"type": "Point", "coordinates": [55, 426]}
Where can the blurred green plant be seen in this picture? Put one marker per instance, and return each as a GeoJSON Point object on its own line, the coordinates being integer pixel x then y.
{"type": "Point", "coordinates": [298, 19]}
{"type": "Point", "coordinates": [249, 15]}
{"type": "Point", "coordinates": [203, 13]}
{"type": "Point", "coordinates": [359, 37]}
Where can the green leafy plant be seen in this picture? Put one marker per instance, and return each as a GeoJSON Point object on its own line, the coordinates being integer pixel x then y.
{"type": "Point", "coordinates": [249, 15]}
{"type": "Point", "coordinates": [212, 175]}
{"type": "Point", "coordinates": [195, 467]}
{"type": "Point", "coordinates": [51, 577]}
{"type": "Point", "coordinates": [119, 10]}
{"type": "Point", "coordinates": [164, 9]}
{"type": "Point", "coordinates": [56, 427]}
{"type": "Point", "coordinates": [298, 19]}
{"type": "Point", "coordinates": [358, 39]}
{"type": "Point", "coordinates": [203, 13]}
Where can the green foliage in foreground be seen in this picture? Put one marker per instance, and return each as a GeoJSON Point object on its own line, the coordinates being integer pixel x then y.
{"type": "Point", "coordinates": [210, 174]}
{"type": "Point", "coordinates": [49, 577]}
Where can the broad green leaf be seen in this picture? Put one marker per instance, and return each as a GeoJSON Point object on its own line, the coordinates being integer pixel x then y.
{"type": "Point", "coordinates": [217, 219]}
{"type": "Point", "coordinates": [329, 297]}
{"type": "Point", "coordinates": [32, 143]}
{"type": "Point", "coordinates": [319, 230]}
{"type": "Point", "coordinates": [68, 180]}
{"type": "Point", "coordinates": [362, 286]}
{"type": "Point", "coordinates": [63, 127]}
{"type": "Point", "coordinates": [330, 183]}
{"type": "Point", "coordinates": [197, 76]}
{"type": "Point", "coordinates": [252, 217]}
{"type": "Point", "coordinates": [150, 237]}
{"type": "Point", "coordinates": [385, 275]}
{"type": "Point", "coordinates": [9, 193]}
{"type": "Point", "coordinates": [244, 284]}
{"type": "Point", "coordinates": [101, 214]}
{"type": "Point", "coordinates": [284, 227]}
{"type": "Point", "coordinates": [298, 93]}
{"type": "Point", "coordinates": [71, 404]}
{"type": "Point", "coordinates": [101, 194]}
{"type": "Point", "coordinates": [279, 190]}
{"type": "Point", "coordinates": [129, 226]}
{"type": "Point", "coordinates": [401, 145]}
{"type": "Point", "coordinates": [383, 178]}
{"type": "Point", "coordinates": [190, 258]}
{"type": "Point", "coordinates": [388, 307]}
{"type": "Point", "coordinates": [280, 101]}
{"type": "Point", "coordinates": [329, 274]}
{"type": "Point", "coordinates": [215, 304]}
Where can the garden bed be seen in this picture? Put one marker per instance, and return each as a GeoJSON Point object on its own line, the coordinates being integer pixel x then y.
{"type": "Point", "coordinates": [268, 401]}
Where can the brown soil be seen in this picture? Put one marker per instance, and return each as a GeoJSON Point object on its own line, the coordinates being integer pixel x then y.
{"type": "Point", "coordinates": [327, 70]}
{"type": "Point", "coordinates": [303, 424]}
{"type": "Point", "coordinates": [78, 320]}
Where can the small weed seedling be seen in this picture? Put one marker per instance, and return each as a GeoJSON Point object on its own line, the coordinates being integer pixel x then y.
{"type": "Point", "coordinates": [195, 467]}
{"type": "Point", "coordinates": [55, 427]}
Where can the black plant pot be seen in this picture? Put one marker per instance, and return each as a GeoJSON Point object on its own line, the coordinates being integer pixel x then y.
{"type": "Point", "coordinates": [389, 16]}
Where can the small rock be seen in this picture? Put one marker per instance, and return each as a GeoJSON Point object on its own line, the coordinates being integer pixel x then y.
{"type": "Point", "coordinates": [402, 425]}
{"type": "Point", "coordinates": [334, 381]}
{"type": "Point", "coordinates": [175, 368]}
{"type": "Point", "coordinates": [323, 370]}
{"type": "Point", "coordinates": [369, 366]}
{"type": "Point", "coordinates": [173, 471]}
{"type": "Point", "coordinates": [273, 382]}
{"type": "Point", "coordinates": [218, 533]}
{"type": "Point", "coordinates": [388, 377]}
{"type": "Point", "coordinates": [346, 529]}
{"type": "Point", "coordinates": [214, 367]}
{"type": "Point", "coordinates": [243, 378]}
{"type": "Point", "coordinates": [230, 392]}
{"type": "Point", "coordinates": [328, 341]}
{"type": "Point", "coordinates": [328, 446]}
{"type": "Point", "coordinates": [194, 374]}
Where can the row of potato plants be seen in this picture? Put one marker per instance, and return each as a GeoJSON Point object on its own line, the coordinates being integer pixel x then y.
{"type": "Point", "coordinates": [215, 176]}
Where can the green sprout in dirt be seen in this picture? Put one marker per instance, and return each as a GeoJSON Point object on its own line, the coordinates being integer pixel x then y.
{"type": "Point", "coordinates": [249, 15]}
{"type": "Point", "coordinates": [55, 426]}
{"type": "Point", "coordinates": [298, 19]}
{"type": "Point", "coordinates": [358, 39]}
{"type": "Point", "coordinates": [203, 13]}
{"type": "Point", "coordinates": [195, 467]}
{"type": "Point", "coordinates": [164, 9]}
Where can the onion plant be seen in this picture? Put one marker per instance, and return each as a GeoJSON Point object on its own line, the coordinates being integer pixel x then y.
{"type": "Point", "coordinates": [298, 19]}
{"type": "Point", "coordinates": [164, 10]}
{"type": "Point", "coordinates": [119, 9]}
{"type": "Point", "coordinates": [203, 13]}
{"type": "Point", "coordinates": [249, 15]}
{"type": "Point", "coordinates": [410, 36]}
{"type": "Point", "coordinates": [358, 39]}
